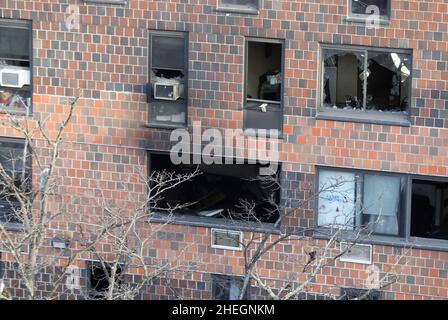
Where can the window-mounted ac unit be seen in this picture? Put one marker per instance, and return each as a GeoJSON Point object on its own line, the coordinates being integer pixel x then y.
{"type": "Point", "coordinates": [14, 77]}
{"type": "Point", "coordinates": [167, 91]}
{"type": "Point", "coordinates": [228, 240]}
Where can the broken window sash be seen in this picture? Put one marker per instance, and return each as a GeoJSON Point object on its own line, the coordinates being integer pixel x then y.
{"type": "Point", "coordinates": [356, 79]}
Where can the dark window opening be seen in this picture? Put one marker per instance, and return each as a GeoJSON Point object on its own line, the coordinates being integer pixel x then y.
{"type": "Point", "coordinates": [15, 65]}
{"type": "Point", "coordinates": [99, 279]}
{"type": "Point", "coordinates": [264, 81]}
{"type": "Point", "coordinates": [239, 4]}
{"type": "Point", "coordinates": [366, 80]}
{"type": "Point", "coordinates": [226, 287]}
{"type": "Point", "coordinates": [429, 209]}
{"type": "Point", "coordinates": [361, 7]}
{"type": "Point", "coordinates": [218, 190]}
{"type": "Point", "coordinates": [264, 71]}
{"type": "Point", "coordinates": [16, 161]}
{"type": "Point", "coordinates": [360, 294]}
{"type": "Point", "coordinates": [168, 90]}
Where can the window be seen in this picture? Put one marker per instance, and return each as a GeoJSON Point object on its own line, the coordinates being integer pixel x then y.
{"type": "Point", "coordinates": [360, 294]}
{"type": "Point", "coordinates": [16, 161]}
{"type": "Point", "coordinates": [359, 79]}
{"type": "Point", "coordinates": [363, 8]}
{"type": "Point", "coordinates": [352, 200]}
{"type": "Point", "coordinates": [264, 85]}
{"type": "Point", "coordinates": [226, 287]}
{"type": "Point", "coordinates": [218, 190]}
{"type": "Point", "coordinates": [15, 65]}
{"type": "Point", "coordinates": [429, 209]}
{"type": "Point", "coordinates": [168, 75]}
{"type": "Point", "coordinates": [99, 278]}
{"type": "Point", "coordinates": [239, 5]}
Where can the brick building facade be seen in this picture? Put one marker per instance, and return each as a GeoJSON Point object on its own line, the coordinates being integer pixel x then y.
{"type": "Point", "coordinates": [114, 130]}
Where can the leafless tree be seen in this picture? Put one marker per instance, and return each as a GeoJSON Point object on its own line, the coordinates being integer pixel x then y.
{"type": "Point", "coordinates": [29, 227]}
{"type": "Point", "coordinates": [319, 255]}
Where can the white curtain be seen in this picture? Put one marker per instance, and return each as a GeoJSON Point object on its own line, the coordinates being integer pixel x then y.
{"type": "Point", "coordinates": [381, 202]}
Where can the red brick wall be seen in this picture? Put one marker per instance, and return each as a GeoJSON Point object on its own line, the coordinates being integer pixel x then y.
{"type": "Point", "coordinates": [108, 57]}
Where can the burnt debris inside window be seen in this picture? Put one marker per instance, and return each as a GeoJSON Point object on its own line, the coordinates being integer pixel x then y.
{"type": "Point", "coordinates": [16, 163]}
{"type": "Point", "coordinates": [368, 7]}
{"type": "Point", "coordinates": [220, 190]}
{"type": "Point", "coordinates": [366, 80]}
{"type": "Point", "coordinates": [15, 65]}
{"type": "Point", "coordinates": [100, 278]}
{"type": "Point", "coordinates": [360, 294]}
{"type": "Point", "coordinates": [429, 209]}
{"type": "Point", "coordinates": [168, 78]}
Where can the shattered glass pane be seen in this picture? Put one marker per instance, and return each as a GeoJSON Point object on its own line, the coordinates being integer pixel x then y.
{"type": "Point", "coordinates": [362, 6]}
{"type": "Point", "coordinates": [343, 79]}
{"type": "Point", "coordinates": [388, 81]}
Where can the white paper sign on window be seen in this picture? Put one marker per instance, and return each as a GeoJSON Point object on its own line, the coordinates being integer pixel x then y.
{"type": "Point", "coordinates": [336, 204]}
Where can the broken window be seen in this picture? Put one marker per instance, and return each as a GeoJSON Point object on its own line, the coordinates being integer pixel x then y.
{"type": "Point", "coordinates": [353, 200]}
{"type": "Point", "coordinates": [369, 7]}
{"type": "Point", "coordinates": [168, 78]}
{"type": "Point", "coordinates": [264, 85]}
{"type": "Point", "coordinates": [429, 209]}
{"type": "Point", "coordinates": [15, 65]}
{"type": "Point", "coordinates": [359, 79]}
{"type": "Point", "coordinates": [99, 278]}
{"type": "Point", "coordinates": [220, 190]}
{"type": "Point", "coordinates": [239, 4]}
{"type": "Point", "coordinates": [226, 287]}
{"type": "Point", "coordinates": [16, 163]}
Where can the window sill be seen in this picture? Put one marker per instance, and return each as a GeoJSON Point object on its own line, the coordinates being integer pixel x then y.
{"type": "Point", "coordinates": [12, 226]}
{"type": "Point", "coordinates": [238, 10]}
{"type": "Point", "coordinates": [208, 222]}
{"type": "Point", "coordinates": [374, 117]}
{"type": "Point", "coordinates": [15, 112]}
{"type": "Point", "coordinates": [360, 19]}
{"type": "Point", "coordinates": [165, 126]}
{"type": "Point", "coordinates": [428, 244]}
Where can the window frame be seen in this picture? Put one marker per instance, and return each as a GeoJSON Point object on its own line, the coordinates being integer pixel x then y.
{"type": "Point", "coordinates": [28, 25]}
{"type": "Point", "coordinates": [275, 106]}
{"type": "Point", "coordinates": [18, 224]}
{"type": "Point", "coordinates": [233, 225]}
{"type": "Point", "coordinates": [362, 17]}
{"type": "Point", "coordinates": [171, 34]}
{"type": "Point", "coordinates": [228, 280]}
{"type": "Point", "coordinates": [404, 239]}
{"type": "Point", "coordinates": [364, 115]}
{"type": "Point", "coordinates": [238, 8]}
{"type": "Point", "coordinates": [360, 188]}
{"type": "Point", "coordinates": [427, 241]}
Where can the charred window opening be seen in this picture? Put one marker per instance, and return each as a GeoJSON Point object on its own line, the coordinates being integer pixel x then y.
{"type": "Point", "coordinates": [369, 7]}
{"type": "Point", "coordinates": [99, 278]}
{"type": "Point", "coordinates": [219, 190]}
{"type": "Point", "coordinates": [168, 78]}
{"type": "Point", "coordinates": [264, 81]}
{"type": "Point", "coordinates": [16, 180]}
{"type": "Point", "coordinates": [226, 287]}
{"type": "Point", "coordinates": [429, 209]}
{"type": "Point", "coordinates": [359, 79]}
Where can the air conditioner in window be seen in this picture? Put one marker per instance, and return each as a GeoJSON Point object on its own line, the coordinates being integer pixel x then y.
{"type": "Point", "coordinates": [167, 90]}
{"type": "Point", "coordinates": [14, 77]}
